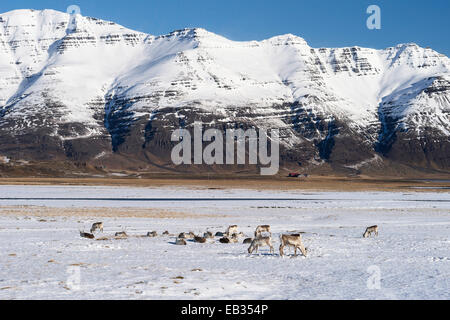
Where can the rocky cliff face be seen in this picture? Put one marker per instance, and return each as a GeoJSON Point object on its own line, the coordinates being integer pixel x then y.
{"type": "Point", "coordinates": [102, 95]}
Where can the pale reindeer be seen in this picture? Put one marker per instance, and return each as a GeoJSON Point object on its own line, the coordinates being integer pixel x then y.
{"type": "Point", "coordinates": [260, 229]}
{"type": "Point", "coordinates": [293, 240]}
{"type": "Point", "coordinates": [121, 234]}
{"type": "Point", "coordinates": [185, 235]}
{"type": "Point", "coordinates": [208, 235]}
{"type": "Point", "coordinates": [231, 230]}
{"type": "Point", "coordinates": [97, 226]}
{"type": "Point", "coordinates": [261, 242]}
{"type": "Point", "coordinates": [181, 242]}
{"type": "Point", "coordinates": [370, 230]}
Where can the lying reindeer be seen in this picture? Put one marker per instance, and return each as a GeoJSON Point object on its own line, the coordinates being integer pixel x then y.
{"type": "Point", "coordinates": [293, 240]}
{"type": "Point", "coordinates": [121, 234]}
{"type": "Point", "coordinates": [199, 239]}
{"type": "Point", "coordinates": [260, 242]}
{"type": "Point", "coordinates": [185, 235]}
{"type": "Point", "coordinates": [97, 226]}
{"type": "Point", "coordinates": [370, 230]}
{"type": "Point", "coordinates": [261, 229]}
{"type": "Point", "coordinates": [86, 235]}
{"type": "Point", "coordinates": [208, 235]}
{"type": "Point", "coordinates": [226, 239]}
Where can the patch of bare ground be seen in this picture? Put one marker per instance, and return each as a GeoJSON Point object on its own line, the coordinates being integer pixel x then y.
{"type": "Point", "coordinates": [312, 183]}
{"type": "Point", "coordinates": [37, 211]}
{"type": "Point", "coordinates": [6, 288]}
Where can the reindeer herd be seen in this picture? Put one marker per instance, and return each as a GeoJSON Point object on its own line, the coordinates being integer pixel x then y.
{"type": "Point", "coordinates": [262, 238]}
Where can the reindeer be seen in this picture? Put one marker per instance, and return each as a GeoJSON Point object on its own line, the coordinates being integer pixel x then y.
{"type": "Point", "coordinates": [199, 239]}
{"type": "Point", "coordinates": [260, 229]}
{"type": "Point", "coordinates": [370, 230]}
{"type": "Point", "coordinates": [180, 242]}
{"type": "Point", "coordinates": [293, 240]}
{"type": "Point", "coordinates": [97, 226]}
{"type": "Point", "coordinates": [231, 230]}
{"type": "Point", "coordinates": [229, 239]}
{"type": "Point", "coordinates": [185, 235]}
{"type": "Point", "coordinates": [86, 235]}
{"type": "Point", "coordinates": [224, 240]}
{"type": "Point", "coordinates": [208, 235]}
{"type": "Point", "coordinates": [260, 242]}
{"type": "Point", "coordinates": [121, 234]}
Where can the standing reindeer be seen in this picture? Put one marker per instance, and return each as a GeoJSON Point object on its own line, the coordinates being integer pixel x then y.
{"type": "Point", "coordinates": [97, 226]}
{"type": "Point", "coordinates": [260, 242]}
{"type": "Point", "coordinates": [293, 240]}
{"type": "Point", "coordinates": [260, 229]}
{"type": "Point", "coordinates": [231, 230]}
{"type": "Point", "coordinates": [370, 230]}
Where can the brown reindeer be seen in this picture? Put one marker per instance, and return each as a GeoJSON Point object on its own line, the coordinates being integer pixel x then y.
{"type": "Point", "coordinates": [370, 230]}
{"type": "Point", "coordinates": [86, 235]}
{"type": "Point", "coordinates": [260, 242]}
{"type": "Point", "coordinates": [293, 240]}
{"type": "Point", "coordinates": [199, 239]}
{"type": "Point", "coordinates": [228, 240]}
{"type": "Point", "coordinates": [224, 240]}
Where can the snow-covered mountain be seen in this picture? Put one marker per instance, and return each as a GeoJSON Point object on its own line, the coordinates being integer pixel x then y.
{"type": "Point", "coordinates": [98, 93]}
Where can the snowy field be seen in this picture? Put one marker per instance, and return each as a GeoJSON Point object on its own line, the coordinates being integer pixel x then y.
{"type": "Point", "coordinates": [43, 257]}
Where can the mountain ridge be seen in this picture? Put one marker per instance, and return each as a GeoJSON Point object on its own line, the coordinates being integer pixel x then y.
{"type": "Point", "coordinates": [101, 92]}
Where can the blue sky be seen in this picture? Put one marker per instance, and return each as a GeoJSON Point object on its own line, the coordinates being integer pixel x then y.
{"type": "Point", "coordinates": [322, 23]}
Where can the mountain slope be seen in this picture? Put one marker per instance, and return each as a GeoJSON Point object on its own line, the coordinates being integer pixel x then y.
{"type": "Point", "coordinates": [108, 96]}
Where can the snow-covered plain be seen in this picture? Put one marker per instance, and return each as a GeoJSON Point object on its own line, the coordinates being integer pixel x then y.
{"type": "Point", "coordinates": [42, 255]}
